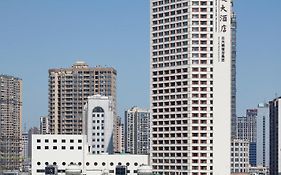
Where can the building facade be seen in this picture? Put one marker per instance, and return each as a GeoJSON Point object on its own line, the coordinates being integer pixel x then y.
{"type": "Point", "coordinates": [31, 131]}
{"type": "Point", "coordinates": [98, 123]}
{"type": "Point", "coordinates": [120, 136]}
{"type": "Point", "coordinates": [69, 89]}
{"type": "Point", "coordinates": [26, 160]}
{"type": "Point", "coordinates": [239, 156]}
{"type": "Point", "coordinates": [275, 136]}
{"type": "Point", "coordinates": [11, 122]}
{"type": "Point", "coordinates": [192, 86]}
{"type": "Point", "coordinates": [137, 131]}
{"type": "Point", "coordinates": [247, 130]}
{"type": "Point", "coordinates": [68, 151]}
{"type": "Point", "coordinates": [263, 135]}
{"type": "Point", "coordinates": [44, 125]}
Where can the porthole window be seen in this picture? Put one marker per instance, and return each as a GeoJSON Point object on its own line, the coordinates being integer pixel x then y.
{"type": "Point", "coordinates": [63, 163]}
{"type": "Point", "coordinates": [54, 163]}
{"type": "Point", "coordinates": [111, 163]}
{"type": "Point", "coordinates": [128, 164]}
{"type": "Point", "coordinates": [103, 163]}
{"type": "Point", "coordinates": [136, 164]}
{"type": "Point", "coordinates": [119, 163]}
{"type": "Point", "coordinates": [87, 164]}
{"type": "Point", "coordinates": [71, 163]}
{"type": "Point", "coordinates": [38, 163]}
{"type": "Point", "coordinates": [79, 163]}
{"type": "Point", "coordinates": [95, 163]}
{"type": "Point", "coordinates": [46, 163]}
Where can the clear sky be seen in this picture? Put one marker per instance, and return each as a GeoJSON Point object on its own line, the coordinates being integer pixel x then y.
{"type": "Point", "coordinates": [38, 35]}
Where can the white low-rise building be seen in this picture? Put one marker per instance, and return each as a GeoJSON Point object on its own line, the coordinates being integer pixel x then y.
{"type": "Point", "coordinates": [68, 151]}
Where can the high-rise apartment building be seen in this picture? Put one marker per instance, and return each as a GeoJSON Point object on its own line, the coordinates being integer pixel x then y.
{"type": "Point", "coordinates": [69, 89]}
{"type": "Point", "coordinates": [137, 131]}
{"type": "Point", "coordinates": [275, 136]}
{"type": "Point", "coordinates": [192, 86]}
{"type": "Point", "coordinates": [263, 135]}
{"type": "Point", "coordinates": [98, 123]}
{"type": "Point", "coordinates": [11, 122]}
{"type": "Point", "coordinates": [44, 125]}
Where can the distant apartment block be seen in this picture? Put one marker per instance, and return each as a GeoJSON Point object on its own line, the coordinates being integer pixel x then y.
{"type": "Point", "coordinates": [98, 123]}
{"type": "Point", "coordinates": [11, 122]}
{"type": "Point", "coordinates": [44, 125]}
{"type": "Point", "coordinates": [25, 146]}
{"type": "Point", "coordinates": [69, 89]}
{"type": "Point", "coordinates": [137, 131]}
{"type": "Point", "coordinates": [239, 156]}
{"type": "Point", "coordinates": [275, 136]}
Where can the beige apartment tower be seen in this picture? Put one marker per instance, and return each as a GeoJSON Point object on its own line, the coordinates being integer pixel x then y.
{"type": "Point", "coordinates": [69, 89]}
{"type": "Point", "coordinates": [11, 123]}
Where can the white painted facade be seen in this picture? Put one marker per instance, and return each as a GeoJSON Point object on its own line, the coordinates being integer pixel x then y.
{"type": "Point", "coordinates": [66, 150]}
{"type": "Point", "coordinates": [98, 113]}
{"type": "Point", "coordinates": [191, 86]}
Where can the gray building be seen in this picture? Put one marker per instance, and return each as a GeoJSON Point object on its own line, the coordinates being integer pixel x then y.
{"type": "Point", "coordinates": [11, 122]}
{"type": "Point", "coordinates": [247, 130]}
{"type": "Point", "coordinates": [31, 131]}
{"type": "Point", "coordinates": [137, 131]}
{"type": "Point", "coordinates": [263, 135]}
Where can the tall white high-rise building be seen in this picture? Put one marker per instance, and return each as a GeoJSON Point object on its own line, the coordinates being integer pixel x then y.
{"type": "Point", "coordinates": [98, 123]}
{"type": "Point", "coordinates": [192, 69]}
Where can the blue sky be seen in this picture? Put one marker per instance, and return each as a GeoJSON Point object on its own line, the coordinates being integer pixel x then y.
{"type": "Point", "coordinates": [38, 35]}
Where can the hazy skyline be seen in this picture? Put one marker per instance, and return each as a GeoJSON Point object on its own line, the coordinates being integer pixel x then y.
{"type": "Point", "coordinates": [36, 36]}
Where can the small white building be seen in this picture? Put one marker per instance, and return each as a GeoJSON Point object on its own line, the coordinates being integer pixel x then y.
{"type": "Point", "coordinates": [68, 151]}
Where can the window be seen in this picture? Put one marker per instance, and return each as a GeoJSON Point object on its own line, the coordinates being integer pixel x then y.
{"type": "Point", "coordinates": [38, 141]}
{"type": "Point", "coordinates": [79, 147]}
{"type": "Point", "coordinates": [71, 141]}
{"type": "Point", "coordinates": [46, 147]}
{"type": "Point", "coordinates": [38, 147]}
{"type": "Point", "coordinates": [71, 147]}
{"type": "Point", "coordinates": [38, 163]}
{"type": "Point", "coordinates": [55, 141]}
{"type": "Point", "coordinates": [63, 141]}
{"type": "Point", "coordinates": [55, 147]}
{"type": "Point", "coordinates": [63, 147]}
{"type": "Point", "coordinates": [46, 140]}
